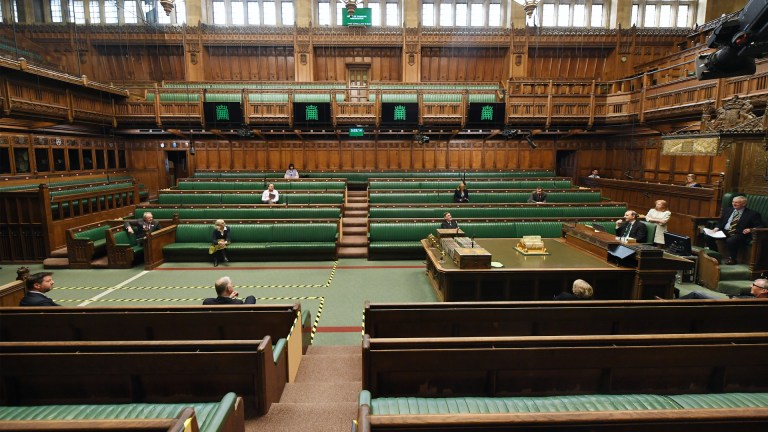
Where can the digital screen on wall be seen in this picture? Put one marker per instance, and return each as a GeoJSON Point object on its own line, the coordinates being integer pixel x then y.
{"type": "Point", "coordinates": [394, 114]}
{"type": "Point", "coordinates": [486, 115]}
{"type": "Point", "coordinates": [311, 114]}
{"type": "Point", "coordinates": [223, 115]}
{"type": "Point", "coordinates": [361, 17]}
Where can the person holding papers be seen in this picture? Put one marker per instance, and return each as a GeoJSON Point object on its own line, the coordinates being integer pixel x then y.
{"type": "Point", "coordinates": [270, 196]}
{"type": "Point", "coordinates": [630, 227]}
{"type": "Point", "coordinates": [735, 227]}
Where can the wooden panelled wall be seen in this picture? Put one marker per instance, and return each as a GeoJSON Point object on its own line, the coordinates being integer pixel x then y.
{"type": "Point", "coordinates": [463, 64]}
{"type": "Point", "coordinates": [105, 53]}
{"type": "Point", "coordinates": [331, 63]}
{"type": "Point", "coordinates": [245, 62]}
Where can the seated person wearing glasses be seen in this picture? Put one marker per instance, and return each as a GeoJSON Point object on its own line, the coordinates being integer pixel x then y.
{"type": "Point", "coordinates": [630, 227]}
{"type": "Point", "coordinates": [759, 289]}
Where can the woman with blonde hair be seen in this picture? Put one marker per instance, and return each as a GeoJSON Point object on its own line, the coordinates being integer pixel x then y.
{"type": "Point", "coordinates": [690, 181]}
{"type": "Point", "coordinates": [461, 194]}
{"type": "Point", "coordinates": [219, 241]}
{"type": "Point", "coordinates": [659, 215]}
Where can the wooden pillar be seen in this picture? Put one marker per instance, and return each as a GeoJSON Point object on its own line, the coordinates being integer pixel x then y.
{"type": "Point", "coordinates": [411, 50]}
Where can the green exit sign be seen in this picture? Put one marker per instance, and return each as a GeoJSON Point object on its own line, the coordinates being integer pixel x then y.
{"type": "Point", "coordinates": [356, 132]}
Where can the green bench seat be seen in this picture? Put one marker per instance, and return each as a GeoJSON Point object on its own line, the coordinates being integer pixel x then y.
{"type": "Point", "coordinates": [566, 403]}
{"type": "Point", "coordinates": [472, 186]}
{"type": "Point", "coordinates": [124, 239]}
{"type": "Point", "coordinates": [480, 197]}
{"type": "Point", "coordinates": [254, 198]}
{"type": "Point", "coordinates": [97, 236]}
{"type": "Point", "coordinates": [261, 186]}
{"type": "Point", "coordinates": [497, 212]}
{"type": "Point", "coordinates": [252, 241]}
{"type": "Point", "coordinates": [231, 214]}
{"type": "Point", "coordinates": [211, 416]}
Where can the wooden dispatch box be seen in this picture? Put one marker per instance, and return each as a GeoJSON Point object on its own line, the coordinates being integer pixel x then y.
{"type": "Point", "coordinates": [472, 258]}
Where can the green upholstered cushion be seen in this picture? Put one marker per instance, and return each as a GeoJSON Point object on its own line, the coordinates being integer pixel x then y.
{"type": "Point", "coordinates": [401, 231]}
{"type": "Point", "coordinates": [94, 234]}
{"type": "Point", "coordinates": [210, 415]}
{"type": "Point", "coordinates": [194, 233]}
{"type": "Point", "coordinates": [487, 405]}
{"type": "Point", "coordinates": [722, 400]}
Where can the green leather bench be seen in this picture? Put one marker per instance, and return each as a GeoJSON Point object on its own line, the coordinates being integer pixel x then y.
{"type": "Point", "coordinates": [232, 214]}
{"type": "Point", "coordinates": [261, 185]}
{"type": "Point", "coordinates": [86, 243]}
{"type": "Point", "coordinates": [223, 416]}
{"type": "Point", "coordinates": [403, 239]}
{"type": "Point", "coordinates": [472, 186]}
{"type": "Point", "coordinates": [637, 412]}
{"type": "Point", "coordinates": [480, 197]}
{"type": "Point", "coordinates": [302, 240]}
{"type": "Point", "coordinates": [122, 248]}
{"type": "Point", "coordinates": [497, 212]}
{"type": "Point", "coordinates": [246, 198]}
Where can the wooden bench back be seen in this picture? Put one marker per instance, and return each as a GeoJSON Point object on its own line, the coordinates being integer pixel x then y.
{"type": "Point", "coordinates": [661, 364]}
{"type": "Point", "coordinates": [43, 373]}
{"type": "Point", "coordinates": [563, 318]}
{"type": "Point", "coordinates": [219, 322]}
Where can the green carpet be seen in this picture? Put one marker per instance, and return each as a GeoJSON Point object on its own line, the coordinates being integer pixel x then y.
{"type": "Point", "coordinates": [334, 292]}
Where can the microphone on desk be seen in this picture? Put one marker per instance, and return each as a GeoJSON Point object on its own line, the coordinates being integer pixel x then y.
{"type": "Point", "coordinates": [473, 242]}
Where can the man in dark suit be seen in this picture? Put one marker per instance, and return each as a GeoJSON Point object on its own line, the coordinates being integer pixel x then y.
{"type": "Point", "coordinates": [226, 294]}
{"type": "Point", "coordinates": [736, 223]}
{"type": "Point", "coordinates": [630, 227]}
{"type": "Point", "coordinates": [37, 285]}
{"type": "Point", "coordinates": [448, 222]}
{"type": "Point", "coordinates": [141, 228]}
{"type": "Point", "coordinates": [537, 196]}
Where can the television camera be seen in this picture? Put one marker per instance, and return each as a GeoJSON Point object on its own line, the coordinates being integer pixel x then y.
{"type": "Point", "coordinates": [742, 37]}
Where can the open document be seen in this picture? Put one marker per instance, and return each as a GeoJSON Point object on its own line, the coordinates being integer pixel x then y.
{"type": "Point", "coordinates": [713, 233]}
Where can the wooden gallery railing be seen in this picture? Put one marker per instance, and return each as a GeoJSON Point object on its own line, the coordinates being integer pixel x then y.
{"type": "Point", "coordinates": [688, 205]}
{"type": "Point", "coordinates": [34, 223]}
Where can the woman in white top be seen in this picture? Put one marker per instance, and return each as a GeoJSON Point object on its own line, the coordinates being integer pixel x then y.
{"type": "Point", "coordinates": [291, 172]}
{"type": "Point", "coordinates": [659, 216]}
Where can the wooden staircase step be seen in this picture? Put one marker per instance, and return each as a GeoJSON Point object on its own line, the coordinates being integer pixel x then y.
{"type": "Point", "coordinates": [356, 206]}
{"type": "Point", "coordinates": [355, 230]}
{"type": "Point", "coordinates": [353, 252]}
{"type": "Point", "coordinates": [355, 193]}
{"type": "Point", "coordinates": [59, 253]}
{"type": "Point", "coordinates": [347, 221]}
{"type": "Point", "coordinates": [354, 240]}
{"type": "Point", "coordinates": [356, 214]}
{"type": "Point", "coordinates": [56, 263]}
{"type": "Point", "coordinates": [100, 263]}
{"type": "Point", "coordinates": [357, 200]}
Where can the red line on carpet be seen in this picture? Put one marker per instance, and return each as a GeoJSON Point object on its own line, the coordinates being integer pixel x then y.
{"type": "Point", "coordinates": [329, 329]}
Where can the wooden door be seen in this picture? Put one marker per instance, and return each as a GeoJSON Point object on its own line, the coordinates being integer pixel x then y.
{"type": "Point", "coordinates": [358, 82]}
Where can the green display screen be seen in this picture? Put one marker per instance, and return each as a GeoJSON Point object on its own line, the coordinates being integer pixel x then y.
{"type": "Point", "coordinates": [361, 17]}
{"type": "Point", "coordinates": [356, 132]}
